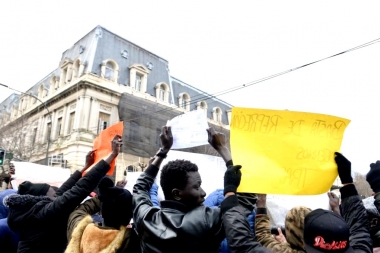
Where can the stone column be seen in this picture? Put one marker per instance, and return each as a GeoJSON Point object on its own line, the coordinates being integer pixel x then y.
{"type": "Point", "coordinates": [85, 112]}
{"type": "Point", "coordinates": [94, 119]}
{"type": "Point", "coordinates": [78, 112]}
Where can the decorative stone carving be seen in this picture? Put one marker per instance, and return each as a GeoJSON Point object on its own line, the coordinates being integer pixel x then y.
{"type": "Point", "coordinates": [81, 49]}
{"type": "Point", "coordinates": [124, 54]}
{"type": "Point", "coordinates": [72, 107]}
{"type": "Point", "coordinates": [149, 65]}
{"type": "Point", "coordinates": [105, 108]}
{"type": "Point", "coordinates": [60, 112]}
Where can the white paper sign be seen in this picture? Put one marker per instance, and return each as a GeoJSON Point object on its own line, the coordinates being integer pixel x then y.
{"type": "Point", "coordinates": [189, 129]}
{"type": "Point", "coordinates": [37, 173]}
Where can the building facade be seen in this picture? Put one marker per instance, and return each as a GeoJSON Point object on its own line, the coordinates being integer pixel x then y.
{"type": "Point", "coordinates": [101, 80]}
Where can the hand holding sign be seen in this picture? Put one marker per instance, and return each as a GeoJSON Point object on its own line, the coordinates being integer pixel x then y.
{"type": "Point", "coordinates": [108, 141]}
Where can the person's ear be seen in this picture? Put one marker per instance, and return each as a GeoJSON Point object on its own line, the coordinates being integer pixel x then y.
{"type": "Point", "coordinates": [176, 194]}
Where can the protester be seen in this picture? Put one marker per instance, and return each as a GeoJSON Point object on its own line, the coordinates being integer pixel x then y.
{"type": "Point", "coordinates": [373, 178]}
{"type": "Point", "coordinates": [40, 215]}
{"type": "Point", "coordinates": [327, 231]}
{"type": "Point", "coordinates": [294, 225]}
{"type": "Point", "coordinates": [236, 226]}
{"type": "Point", "coordinates": [115, 206]}
{"type": "Point", "coordinates": [183, 224]}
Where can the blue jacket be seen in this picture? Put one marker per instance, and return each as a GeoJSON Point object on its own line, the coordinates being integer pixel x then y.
{"type": "Point", "coordinates": [153, 192]}
{"type": "Point", "coordinates": [3, 209]}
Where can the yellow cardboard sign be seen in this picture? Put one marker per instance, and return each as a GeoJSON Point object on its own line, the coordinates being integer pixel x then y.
{"type": "Point", "coordinates": [284, 152]}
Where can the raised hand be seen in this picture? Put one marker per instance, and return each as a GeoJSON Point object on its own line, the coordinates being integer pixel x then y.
{"type": "Point", "coordinates": [216, 140]}
{"type": "Point", "coordinates": [116, 144]}
{"type": "Point", "coordinates": [166, 137]}
{"type": "Point", "coordinates": [344, 168]}
{"type": "Point", "coordinates": [90, 158]}
{"type": "Point", "coordinates": [334, 202]}
{"type": "Point", "coordinates": [232, 178]}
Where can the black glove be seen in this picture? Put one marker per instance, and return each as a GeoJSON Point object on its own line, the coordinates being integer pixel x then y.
{"type": "Point", "coordinates": [232, 178]}
{"type": "Point", "coordinates": [373, 177]}
{"type": "Point", "coordinates": [344, 168]}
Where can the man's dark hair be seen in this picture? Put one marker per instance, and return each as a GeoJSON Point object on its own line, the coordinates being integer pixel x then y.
{"type": "Point", "coordinates": [174, 175]}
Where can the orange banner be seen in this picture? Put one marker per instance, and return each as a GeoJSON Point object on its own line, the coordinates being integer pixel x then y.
{"type": "Point", "coordinates": [103, 147]}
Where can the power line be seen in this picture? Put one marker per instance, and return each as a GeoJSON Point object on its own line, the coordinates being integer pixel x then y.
{"type": "Point", "coordinates": [267, 78]}
{"type": "Point", "coordinates": [232, 89]}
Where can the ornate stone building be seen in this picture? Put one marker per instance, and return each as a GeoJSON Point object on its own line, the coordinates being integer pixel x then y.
{"type": "Point", "coordinates": [100, 80]}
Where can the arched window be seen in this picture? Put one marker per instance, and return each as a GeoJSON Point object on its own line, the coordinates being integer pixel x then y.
{"type": "Point", "coordinates": [202, 105]}
{"type": "Point", "coordinates": [110, 70]}
{"type": "Point", "coordinates": [162, 92]}
{"type": "Point", "coordinates": [217, 114]}
{"type": "Point", "coordinates": [184, 101]}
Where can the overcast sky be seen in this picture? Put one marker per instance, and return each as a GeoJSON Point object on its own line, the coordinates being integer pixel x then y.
{"type": "Point", "coordinates": [216, 45]}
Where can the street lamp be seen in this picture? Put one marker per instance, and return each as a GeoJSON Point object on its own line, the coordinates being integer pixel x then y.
{"type": "Point", "coordinates": [49, 114]}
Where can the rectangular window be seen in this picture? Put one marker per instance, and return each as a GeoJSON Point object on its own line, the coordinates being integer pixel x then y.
{"type": "Point", "coordinates": [34, 136]}
{"type": "Point", "coordinates": [138, 82]}
{"type": "Point", "coordinates": [48, 131]}
{"type": "Point", "coordinates": [104, 121]}
{"type": "Point", "coordinates": [59, 127]}
{"type": "Point", "coordinates": [71, 122]}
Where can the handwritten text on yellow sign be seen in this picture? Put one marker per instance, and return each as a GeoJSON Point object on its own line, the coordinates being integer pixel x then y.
{"type": "Point", "coordinates": [284, 152]}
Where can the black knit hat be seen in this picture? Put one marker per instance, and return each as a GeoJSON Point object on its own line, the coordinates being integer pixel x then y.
{"type": "Point", "coordinates": [27, 187]}
{"type": "Point", "coordinates": [116, 203]}
{"type": "Point", "coordinates": [325, 231]}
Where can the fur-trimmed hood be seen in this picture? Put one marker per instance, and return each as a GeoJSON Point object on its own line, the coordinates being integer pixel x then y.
{"type": "Point", "coordinates": [89, 238]}
{"type": "Point", "coordinates": [22, 207]}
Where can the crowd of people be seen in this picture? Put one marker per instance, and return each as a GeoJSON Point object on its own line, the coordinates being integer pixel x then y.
{"type": "Point", "coordinates": [90, 214]}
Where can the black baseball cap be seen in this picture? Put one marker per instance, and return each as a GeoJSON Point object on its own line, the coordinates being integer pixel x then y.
{"type": "Point", "coordinates": [326, 231]}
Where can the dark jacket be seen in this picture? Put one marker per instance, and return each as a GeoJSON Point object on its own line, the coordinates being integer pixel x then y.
{"type": "Point", "coordinates": [355, 215]}
{"type": "Point", "coordinates": [42, 222]}
{"type": "Point", "coordinates": [173, 228]}
{"type": "Point", "coordinates": [84, 235]}
{"type": "Point", "coordinates": [8, 238]}
{"type": "Point", "coordinates": [238, 232]}
{"type": "Point", "coordinates": [215, 199]}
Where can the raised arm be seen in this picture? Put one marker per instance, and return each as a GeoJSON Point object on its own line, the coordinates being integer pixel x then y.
{"type": "Point", "coordinates": [236, 226]}
{"type": "Point", "coordinates": [141, 198]}
{"type": "Point", "coordinates": [73, 197]}
{"type": "Point", "coordinates": [353, 210]}
{"type": "Point", "coordinates": [218, 142]}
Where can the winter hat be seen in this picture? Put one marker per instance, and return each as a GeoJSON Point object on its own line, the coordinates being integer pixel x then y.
{"type": "Point", "coordinates": [116, 203]}
{"type": "Point", "coordinates": [373, 176]}
{"type": "Point", "coordinates": [294, 226]}
{"type": "Point", "coordinates": [33, 189]}
{"type": "Point", "coordinates": [326, 231]}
